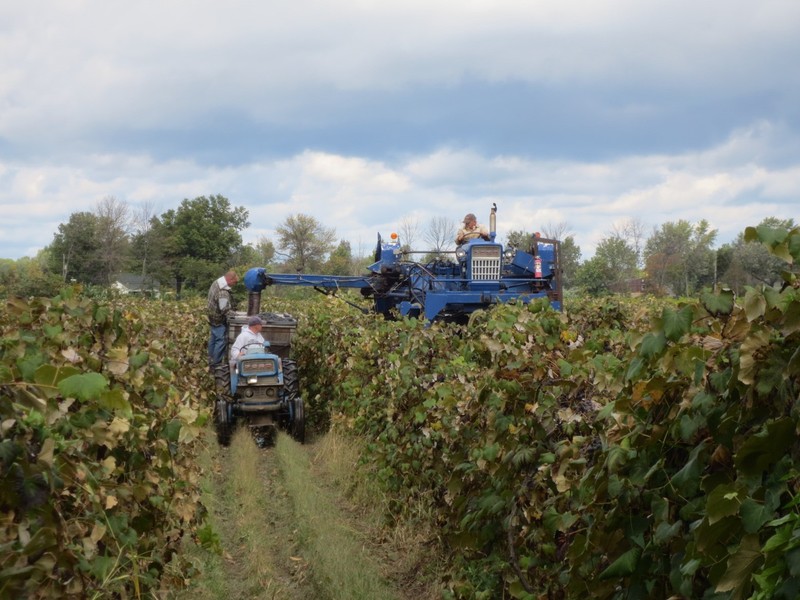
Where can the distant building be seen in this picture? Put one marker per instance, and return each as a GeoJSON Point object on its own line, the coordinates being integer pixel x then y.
{"type": "Point", "coordinates": [635, 286]}
{"type": "Point", "coordinates": [129, 283]}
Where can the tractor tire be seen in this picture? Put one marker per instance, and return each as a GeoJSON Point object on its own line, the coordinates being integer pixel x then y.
{"type": "Point", "coordinates": [222, 379]}
{"type": "Point", "coordinates": [222, 423]}
{"type": "Point", "coordinates": [297, 425]}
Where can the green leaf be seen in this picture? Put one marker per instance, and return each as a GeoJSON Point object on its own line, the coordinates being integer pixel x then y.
{"type": "Point", "coordinates": [653, 344]}
{"type": "Point", "coordinates": [635, 369]}
{"type": "Point", "coordinates": [720, 303]}
{"type": "Point", "coordinates": [625, 565]}
{"type": "Point", "coordinates": [771, 235]}
{"type": "Point", "coordinates": [754, 515]}
{"type": "Point", "coordinates": [754, 304]}
{"type": "Point", "coordinates": [741, 565]}
{"type": "Point", "coordinates": [794, 246]}
{"type": "Point", "coordinates": [114, 400]}
{"type": "Point", "coordinates": [778, 540]}
{"type": "Point", "coordinates": [49, 375]}
{"type": "Point", "coordinates": [677, 323]}
{"type": "Point", "coordinates": [87, 386]}
{"type": "Point", "coordinates": [723, 501]}
{"type": "Point", "coordinates": [687, 480]}
{"type": "Point", "coordinates": [765, 448]}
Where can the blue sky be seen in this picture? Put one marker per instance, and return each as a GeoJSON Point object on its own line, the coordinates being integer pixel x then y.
{"type": "Point", "coordinates": [365, 113]}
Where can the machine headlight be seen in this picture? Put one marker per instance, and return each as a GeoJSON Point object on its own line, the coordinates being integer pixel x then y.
{"type": "Point", "coordinates": [509, 254]}
{"type": "Point", "coordinates": [460, 253]}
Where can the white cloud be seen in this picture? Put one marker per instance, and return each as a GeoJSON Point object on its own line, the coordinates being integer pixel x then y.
{"type": "Point", "coordinates": [359, 196]}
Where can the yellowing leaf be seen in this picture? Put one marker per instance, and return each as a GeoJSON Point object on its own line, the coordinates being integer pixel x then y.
{"type": "Point", "coordinates": [111, 502]}
{"type": "Point", "coordinates": [119, 426]}
{"type": "Point", "coordinates": [46, 453]}
{"type": "Point", "coordinates": [71, 355]}
{"type": "Point", "coordinates": [117, 360]}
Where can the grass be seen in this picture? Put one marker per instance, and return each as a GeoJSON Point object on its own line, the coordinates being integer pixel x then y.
{"type": "Point", "coordinates": [300, 522]}
{"type": "Point", "coordinates": [250, 512]}
{"type": "Point", "coordinates": [340, 556]}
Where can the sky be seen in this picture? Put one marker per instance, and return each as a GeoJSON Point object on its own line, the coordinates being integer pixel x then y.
{"type": "Point", "coordinates": [368, 113]}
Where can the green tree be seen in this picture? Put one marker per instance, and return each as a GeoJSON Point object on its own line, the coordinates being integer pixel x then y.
{"type": "Point", "coordinates": [614, 262]}
{"type": "Point", "coordinates": [201, 236]}
{"type": "Point", "coordinates": [142, 238]}
{"type": "Point", "coordinates": [679, 256]}
{"type": "Point", "coordinates": [305, 241]}
{"type": "Point", "coordinates": [28, 276]}
{"type": "Point", "coordinates": [570, 260]}
{"type": "Point", "coordinates": [75, 251]}
{"type": "Point", "coordinates": [340, 261]}
{"type": "Point", "coordinates": [595, 276]}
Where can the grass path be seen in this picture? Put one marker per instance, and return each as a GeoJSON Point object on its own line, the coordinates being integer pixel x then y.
{"type": "Point", "coordinates": [294, 522]}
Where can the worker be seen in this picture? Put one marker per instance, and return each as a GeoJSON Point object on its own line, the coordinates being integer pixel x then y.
{"type": "Point", "coordinates": [250, 334]}
{"type": "Point", "coordinates": [471, 230]}
{"type": "Point", "coordinates": [220, 303]}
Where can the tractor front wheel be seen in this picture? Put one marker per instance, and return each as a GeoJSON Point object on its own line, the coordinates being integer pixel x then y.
{"type": "Point", "coordinates": [223, 423]}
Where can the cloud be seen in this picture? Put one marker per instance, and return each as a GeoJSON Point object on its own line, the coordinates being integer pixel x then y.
{"type": "Point", "coordinates": [359, 196]}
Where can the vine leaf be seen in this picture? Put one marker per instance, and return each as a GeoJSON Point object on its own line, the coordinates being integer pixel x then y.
{"type": "Point", "coordinates": [765, 448]}
{"type": "Point", "coordinates": [720, 303]}
{"type": "Point", "coordinates": [87, 386]}
{"type": "Point", "coordinates": [740, 566]}
{"type": "Point", "coordinates": [677, 322]}
{"type": "Point", "coordinates": [623, 566]}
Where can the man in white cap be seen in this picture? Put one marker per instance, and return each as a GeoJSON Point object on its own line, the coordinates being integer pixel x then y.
{"type": "Point", "coordinates": [250, 334]}
{"type": "Point", "coordinates": [471, 230]}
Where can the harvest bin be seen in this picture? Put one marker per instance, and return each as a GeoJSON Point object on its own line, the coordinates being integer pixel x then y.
{"type": "Point", "coordinates": [278, 330]}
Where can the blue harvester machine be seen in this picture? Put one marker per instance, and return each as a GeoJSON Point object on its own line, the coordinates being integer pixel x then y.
{"type": "Point", "coordinates": [482, 274]}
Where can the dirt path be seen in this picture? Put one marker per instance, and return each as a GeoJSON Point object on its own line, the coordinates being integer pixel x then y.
{"type": "Point", "coordinates": [287, 524]}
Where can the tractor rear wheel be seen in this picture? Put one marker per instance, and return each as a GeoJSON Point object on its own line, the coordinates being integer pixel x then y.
{"type": "Point", "coordinates": [222, 378]}
{"type": "Point", "coordinates": [297, 425]}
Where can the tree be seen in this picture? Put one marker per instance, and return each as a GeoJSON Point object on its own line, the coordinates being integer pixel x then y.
{"type": "Point", "coordinates": [570, 261]}
{"type": "Point", "coordinates": [111, 231]}
{"type": "Point", "coordinates": [678, 256]}
{"type": "Point", "coordinates": [410, 228]}
{"type": "Point", "coordinates": [265, 251]}
{"type": "Point", "coordinates": [440, 235]}
{"type": "Point", "coordinates": [305, 241]}
{"type": "Point", "coordinates": [632, 230]}
{"type": "Point", "coordinates": [555, 231]}
{"type": "Point", "coordinates": [614, 262]}
{"type": "Point", "coordinates": [142, 241]}
{"type": "Point", "coordinates": [74, 251]}
{"type": "Point", "coordinates": [340, 262]}
{"type": "Point", "coordinates": [595, 276]}
{"type": "Point", "coordinates": [202, 236]}
{"type": "Point", "coordinates": [28, 276]}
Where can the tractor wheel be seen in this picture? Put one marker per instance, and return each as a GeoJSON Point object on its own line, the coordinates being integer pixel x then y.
{"type": "Point", "coordinates": [222, 378]}
{"type": "Point", "coordinates": [223, 423]}
{"type": "Point", "coordinates": [297, 426]}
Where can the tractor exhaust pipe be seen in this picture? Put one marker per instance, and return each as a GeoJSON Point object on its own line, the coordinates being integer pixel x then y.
{"type": "Point", "coordinates": [493, 222]}
{"type": "Point", "coordinates": [253, 304]}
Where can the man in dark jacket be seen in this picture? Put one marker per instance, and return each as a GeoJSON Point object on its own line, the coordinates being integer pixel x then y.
{"type": "Point", "coordinates": [220, 303]}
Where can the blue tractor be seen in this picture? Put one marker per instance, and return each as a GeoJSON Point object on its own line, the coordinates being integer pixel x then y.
{"type": "Point", "coordinates": [261, 388]}
{"type": "Point", "coordinates": [450, 286]}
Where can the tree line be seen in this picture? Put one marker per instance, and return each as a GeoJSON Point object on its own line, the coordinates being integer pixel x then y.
{"type": "Point", "coordinates": [185, 248]}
